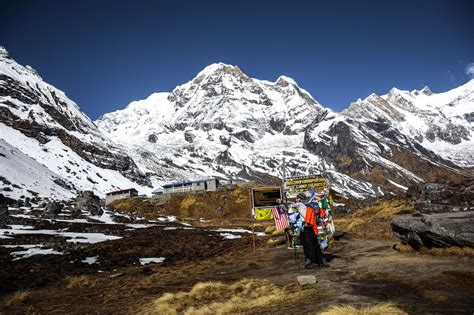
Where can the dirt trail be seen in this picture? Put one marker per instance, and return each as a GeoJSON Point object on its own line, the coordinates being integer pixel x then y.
{"type": "Point", "coordinates": [362, 272]}
{"type": "Point", "coordinates": [367, 272]}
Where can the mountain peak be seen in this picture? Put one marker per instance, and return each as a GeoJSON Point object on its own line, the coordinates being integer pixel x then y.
{"type": "Point", "coordinates": [284, 80]}
{"type": "Point", "coordinates": [424, 91]}
{"type": "Point", "coordinates": [4, 53]}
{"type": "Point", "coordinates": [220, 67]}
{"type": "Point", "coordinates": [394, 90]}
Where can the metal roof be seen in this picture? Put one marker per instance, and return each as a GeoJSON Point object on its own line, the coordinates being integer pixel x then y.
{"type": "Point", "coordinates": [121, 191]}
{"type": "Point", "coordinates": [171, 184]}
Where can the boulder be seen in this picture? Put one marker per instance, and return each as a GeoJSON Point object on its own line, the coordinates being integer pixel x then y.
{"type": "Point", "coordinates": [6, 200]}
{"type": "Point", "coordinates": [54, 207]}
{"type": "Point", "coordinates": [439, 198]}
{"type": "Point", "coordinates": [18, 203]}
{"type": "Point", "coordinates": [96, 210]}
{"type": "Point", "coordinates": [3, 211]}
{"type": "Point", "coordinates": [88, 202]}
{"type": "Point", "coordinates": [435, 230]}
{"type": "Point", "coordinates": [306, 280]}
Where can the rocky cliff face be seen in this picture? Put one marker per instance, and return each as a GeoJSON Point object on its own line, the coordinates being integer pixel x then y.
{"type": "Point", "coordinates": [40, 123]}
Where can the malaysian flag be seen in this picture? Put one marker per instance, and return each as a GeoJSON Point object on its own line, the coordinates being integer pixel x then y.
{"type": "Point", "coordinates": [281, 221]}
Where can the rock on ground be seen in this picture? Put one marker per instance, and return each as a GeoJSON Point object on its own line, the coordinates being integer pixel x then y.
{"type": "Point", "coordinates": [3, 211]}
{"type": "Point", "coordinates": [435, 230]}
{"type": "Point", "coordinates": [88, 202]}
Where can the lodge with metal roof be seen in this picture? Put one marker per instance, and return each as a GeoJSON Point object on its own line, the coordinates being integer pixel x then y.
{"type": "Point", "coordinates": [209, 184]}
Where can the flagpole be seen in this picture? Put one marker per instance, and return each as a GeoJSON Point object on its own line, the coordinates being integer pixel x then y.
{"type": "Point", "coordinates": [252, 213]}
{"type": "Point", "coordinates": [284, 179]}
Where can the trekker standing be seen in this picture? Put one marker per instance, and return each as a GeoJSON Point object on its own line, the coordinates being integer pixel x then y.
{"type": "Point", "coordinates": [311, 238]}
{"type": "Point", "coordinates": [301, 207]}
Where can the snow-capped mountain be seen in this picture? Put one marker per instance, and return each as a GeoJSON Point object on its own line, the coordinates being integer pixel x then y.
{"type": "Point", "coordinates": [226, 124]}
{"type": "Point", "coordinates": [223, 123]}
{"type": "Point", "coordinates": [48, 146]}
{"type": "Point", "coordinates": [442, 123]}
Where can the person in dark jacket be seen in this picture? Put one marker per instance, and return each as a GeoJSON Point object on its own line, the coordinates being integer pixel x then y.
{"type": "Point", "coordinates": [311, 239]}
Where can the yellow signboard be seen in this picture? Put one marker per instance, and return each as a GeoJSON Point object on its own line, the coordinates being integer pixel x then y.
{"type": "Point", "coordinates": [263, 199]}
{"type": "Point", "coordinates": [304, 184]}
{"type": "Point", "coordinates": [263, 214]}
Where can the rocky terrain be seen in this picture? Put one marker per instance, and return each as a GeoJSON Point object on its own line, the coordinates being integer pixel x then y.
{"type": "Point", "coordinates": [444, 217]}
{"type": "Point", "coordinates": [78, 257]}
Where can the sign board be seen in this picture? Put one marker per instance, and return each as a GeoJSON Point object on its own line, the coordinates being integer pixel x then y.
{"type": "Point", "coordinates": [265, 196]}
{"type": "Point", "coordinates": [263, 199]}
{"type": "Point", "coordinates": [304, 184]}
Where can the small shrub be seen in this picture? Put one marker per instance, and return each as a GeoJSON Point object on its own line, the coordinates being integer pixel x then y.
{"type": "Point", "coordinates": [79, 281]}
{"type": "Point", "coordinates": [17, 298]}
{"type": "Point", "coordinates": [385, 308]}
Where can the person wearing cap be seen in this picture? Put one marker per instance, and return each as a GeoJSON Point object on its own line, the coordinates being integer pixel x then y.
{"type": "Point", "coordinates": [312, 251]}
{"type": "Point", "coordinates": [305, 238]}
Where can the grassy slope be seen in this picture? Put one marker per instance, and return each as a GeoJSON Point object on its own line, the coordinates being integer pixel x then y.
{"type": "Point", "coordinates": [373, 221]}
{"type": "Point", "coordinates": [219, 208]}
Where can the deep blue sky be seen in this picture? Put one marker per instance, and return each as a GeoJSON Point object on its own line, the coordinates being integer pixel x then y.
{"type": "Point", "coordinates": [104, 54]}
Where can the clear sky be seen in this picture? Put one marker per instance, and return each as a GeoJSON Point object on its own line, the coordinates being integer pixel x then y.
{"type": "Point", "coordinates": [105, 54]}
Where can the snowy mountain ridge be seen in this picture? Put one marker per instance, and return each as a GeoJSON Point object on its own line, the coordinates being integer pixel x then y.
{"type": "Point", "coordinates": [40, 125]}
{"type": "Point", "coordinates": [223, 123]}
{"type": "Point", "coordinates": [440, 122]}
{"type": "Point", "coordinates": [226, 124]}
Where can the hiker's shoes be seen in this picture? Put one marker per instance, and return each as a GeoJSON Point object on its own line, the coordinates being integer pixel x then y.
{"type": "Point", "coordinates": [324, 263]}
{"type": "Point", "coordinates": [308, 264]}
{"type": "Point", "coordinates": [311, 266]}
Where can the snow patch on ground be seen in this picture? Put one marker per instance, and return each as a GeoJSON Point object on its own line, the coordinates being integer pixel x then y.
{"type": "Point", "coordinates": [230, 236]}
{"type": "Point", "coordinates": [72, 237]}
{"type": "Point", "coordinates": [34, 251]}
{"type": "Point", "coordinates": [90, 260]}
{"type": "Point", "coordinates": [155, 260]}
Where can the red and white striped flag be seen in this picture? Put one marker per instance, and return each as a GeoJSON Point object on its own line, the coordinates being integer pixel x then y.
{"type": "Point", "coordinates": [281, 221]}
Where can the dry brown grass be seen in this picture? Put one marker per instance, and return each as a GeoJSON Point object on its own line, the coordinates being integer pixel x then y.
{"type": "Point", "coordinates": [213, 205]}
{"type": "Point", "coordinates": [17, 298]}
{"type": "Point", "coordinates": [270, 229]}
{"type": "Point", "coordinates": [139, 205]}
{"type": "Point", "coordinates": [219, 298]}
{"type": "Point", "coordinates": [374, 221]}
{"type": "Point", "coordinates": [384, 308]}
{"type": "Point", "coordinates": [448, 251]}
{"type": "Point", "coordinates": [276, 241]}
{"type": "Point", "coordinates": [79, 281]}
{"type": "Point", "coordinates": [278, 232]}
